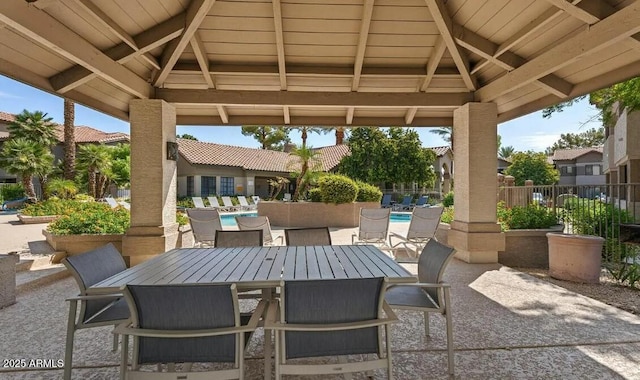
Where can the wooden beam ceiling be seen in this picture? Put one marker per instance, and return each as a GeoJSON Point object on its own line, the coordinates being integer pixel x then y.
{"type": "Point", "coordinates": [277, 20]}
{"type": "Point", "coordinates": [367, 11]}
{"type": "Point", "coordinates": [332, 121]}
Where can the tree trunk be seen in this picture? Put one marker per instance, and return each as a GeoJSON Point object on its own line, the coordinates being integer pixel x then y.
{"type": "Point", "coordinates": [304, 137]}
{"type": "Point", "coordinates": [339, 135]}
{"type": "Point", "coordinates": [92, 182]}
{"type": "Point", "coordinates": [27, 183]}
{"type": "Point", "coordinates": [69, 140]}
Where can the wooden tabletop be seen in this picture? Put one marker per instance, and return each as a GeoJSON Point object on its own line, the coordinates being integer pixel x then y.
{"type": "Point", "coordinates": [251, 267]}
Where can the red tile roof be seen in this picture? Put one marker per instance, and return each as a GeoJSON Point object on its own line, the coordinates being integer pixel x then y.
{"type": "Point", "coordinates": [572, 154]}
{"type": "Point", "coordinates": [7, 117]}
{"type": "Point", "coordinates": [440, 150]}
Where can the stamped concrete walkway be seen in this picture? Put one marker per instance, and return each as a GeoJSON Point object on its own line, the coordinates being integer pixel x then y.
{"type": "Point", "coordinates": [507, 325]}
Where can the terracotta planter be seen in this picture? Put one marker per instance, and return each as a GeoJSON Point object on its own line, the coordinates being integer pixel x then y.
{"type": "Point", "coordinates": [575, 257]}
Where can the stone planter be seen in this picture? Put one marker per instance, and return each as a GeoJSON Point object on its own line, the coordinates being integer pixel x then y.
{"type": "Point", "coordinates": [26, 219]}
{"type": "Point", "coordinates": [313, 214]}
{"type": "Point", "coordinates": [527, 248]}
{"type": "Point", "coordinates": [575, 257]}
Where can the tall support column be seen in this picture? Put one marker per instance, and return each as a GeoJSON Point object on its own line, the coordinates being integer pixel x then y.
{"type": "Point", "coordinates": [153, 182]}
{"type": "Point", "coordinates": [475, 232]}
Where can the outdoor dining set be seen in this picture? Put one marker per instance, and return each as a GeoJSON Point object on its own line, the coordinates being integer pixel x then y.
{"type": "Point", "coordinates": [312, 299]}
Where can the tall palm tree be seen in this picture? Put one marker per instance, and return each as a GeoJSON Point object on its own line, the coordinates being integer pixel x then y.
{"type": "Point", "coordinates": [506, 151]}
{"type": "Point", "coordinates": [309, 162]}
{"type": "Point", "coordinates": [446, 133]}
{"type": "Point", "coordinates": [35, 127]}
{"type": "Point", "coordinates": [69, 140]}
{"type": "Point", "coordinates": [25, 159]}
{"type": "Point", "coordinates": [96, 160]}
{"type": "Point", "coordinates": [339, 135]}
{"type": "Point", "coordinates": [304, 131]}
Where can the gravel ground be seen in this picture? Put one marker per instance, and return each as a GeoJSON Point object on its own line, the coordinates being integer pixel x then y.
{"type": "Point", "coordinates": [607, 291]}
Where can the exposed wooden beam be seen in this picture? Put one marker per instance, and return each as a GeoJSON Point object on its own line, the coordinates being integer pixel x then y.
{"type": "Point", "coordinates": [508, 61]}
{"type": "Point", "coordinates": [367, 11]}
{"type": "Point", "coordinates": [329, 121]}
{"type": "Point", "coordinates": [591, 12]}
{"type": "Point", "coordinates": [42, 4]}
{"type": "Point", "coordinates": [607, 32]}
{"type": "Point", "coordinates": [114, 28]}
{"type": "Point", "coordinates": [47, 31]}
{"type": "Point", "coordinates": [201, 57]}
{"type": "Point", "coordinates": [287, 115]}
{"type": "Point", "coordinates": [313, 99]}
{"type": "Point", "coordinates": [350, 112]}
{"type": "Point", "coordinates": [410, 114]}
{"type": "Point", "coordinates": [445, 26]}
{"type": "Point", "coordinates": [196, 12]}
{"type": "Point", "coordinates": [277, 20]}
{"type": "Point", "coordinates": [432, 64]}
{"type": "Point", "coordinates": [223, 114]}
{"type": "Point", "coordinates": [122, 53]}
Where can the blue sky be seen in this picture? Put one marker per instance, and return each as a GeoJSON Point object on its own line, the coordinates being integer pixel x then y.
{"type": "Point", "coordinates": [530, 132]}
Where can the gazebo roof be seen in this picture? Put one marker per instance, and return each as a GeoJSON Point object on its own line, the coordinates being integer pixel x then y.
{"type": "Point", "coordinates": [316, 62]}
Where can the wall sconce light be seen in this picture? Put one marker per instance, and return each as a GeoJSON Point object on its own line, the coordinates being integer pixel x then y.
{"type": "Point", "coordinates": [172, 151]}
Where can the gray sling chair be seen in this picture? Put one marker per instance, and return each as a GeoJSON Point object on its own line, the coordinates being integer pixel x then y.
{"type": "Point", "coordinates": [331, 318]}
{"type": "Point", "coordinates": [88, 269]}
{"type": "Point", "coordinates": [204, 224]}
{"type": "Point", "coordinates": [308, 236]}
{"type": "Point", "coordinates": [422, 228]}
{"type": "Point", "coordinates": [431, 294]}
{"type": "Point", "coordinates": [248, 238]}
{"type": "Point", "coordinates": [373, 227]}
{"type": "Point", "coordinates": [194, 323]}
{"type": "Point", "coordinates": [258, 223]}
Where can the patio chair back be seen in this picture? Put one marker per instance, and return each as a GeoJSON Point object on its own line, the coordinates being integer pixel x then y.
{"type": "Point", "coordinates": [213, 201]}
{"type": "Point", "coordinates": [111, 202]}
{"type": "Point", "coordinates": [307, 236]}
{"type": "Point", "coordinates": [244, 203]}
{"type": "Point", "coordinates": [256, 199]}
{"type": "Point", "coordinates": [424, 223]}
{"type": "Point", "coordinates": [331, 302]}
{"type": "Point", "coordinates": [256, 223]}
{"type": "Point", "coordinates": [431, 267]}
{"type": "Point", "coordinates": [226, 201]}
{"type": "Point", "coordinates": [386, 201]}
{"type": "Point", "coordinates": [90, 268]}
{"type": "Point", "coordinates": [183, 307]}
{"type": "Point", "coordinates": [249, 238]}
{"type": "Point", "coordinates": [422, 201]}
{"type": "Point", "coordinates": [406, 203]}
{"type": "Point", "coordinates": [374, 224]}
{"type": "Point", "coordinates": [204, 224]}
{"type": "Point", "coordinates": [198, 202]}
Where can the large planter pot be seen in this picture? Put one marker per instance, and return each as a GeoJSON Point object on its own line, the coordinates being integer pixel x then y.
{"type": "Point", "coordinates": [313, 214]}
{"type": "Point", "coordinates": [527, 248]}
{"type": "Point", "coordinates": [575, 257]}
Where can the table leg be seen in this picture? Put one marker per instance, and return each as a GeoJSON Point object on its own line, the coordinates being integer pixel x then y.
{"type": "Point", "coordinates": [266, 295]}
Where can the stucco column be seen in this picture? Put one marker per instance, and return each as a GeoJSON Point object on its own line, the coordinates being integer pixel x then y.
{"type": "Point", "coordinates": [153, 182]}
{"type": "Point", "coordinates": [475, 232]}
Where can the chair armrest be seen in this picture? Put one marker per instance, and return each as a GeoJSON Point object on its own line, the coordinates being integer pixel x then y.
{"type": "Point", "coordinates": [423, 285]}
{"type": "Point", "coordinates": [396, 235]}
{"type": "Point", "coordinates": [389, 312]}
{"type": "Point", "coordinates": [330, 327]}
{"type": "Point", "coordinates": [95, 297]}
{"type": "Point", "coordinates": [126, 329]}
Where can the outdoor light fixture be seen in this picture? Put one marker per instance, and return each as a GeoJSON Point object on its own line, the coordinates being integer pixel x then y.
{"type": "Point", "coordinates": [172, 151]}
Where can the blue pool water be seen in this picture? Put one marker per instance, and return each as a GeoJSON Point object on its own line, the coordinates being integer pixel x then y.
{"type": "Point", "coordinates": [230, 220]}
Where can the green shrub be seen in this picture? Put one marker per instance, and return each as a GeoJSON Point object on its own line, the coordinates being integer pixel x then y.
{"type": "Point", "coordinates": [84, 198]}
{"type": "Point", "coordinates": [314, 194]}
{"type": "Point", "coordinates": [99, 219]}
{"type": "Point", "coordinates": [55, 206]}
{"type": "Point", "coordinates": [62, 188]}
{"type": "Point", "coordinates": [525, 217]}
{"type": "Point", "coordinates": [447, 215]}
{"type": "Point", "coordinates": [447, 200]}
{"type": "Point", "coordinates": [12, 191]}
{"type": "Point", "coordinates": [182, 219]}
{"type": "Point", "coordinates": [596, 218]}
{"type": "Point", "coordinates": [368, 193]}
{"type": "Point", "coordinates": [184, 202]}
{"type": "Point", "coordinates": [337, 189]}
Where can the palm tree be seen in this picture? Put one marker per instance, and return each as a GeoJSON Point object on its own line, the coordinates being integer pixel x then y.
{"type": "Point", "coordinates": [96, 160]}
{"type": "Point", "coordinates": [304, 130]}
{"type": "Point", "coordinates": [506, 151]}
{"type": "Point", "coordinates": [446, 133]}
{"type": "Point", "coordinates": [35, 127]}
{"type": "Point", "coordinates": [309, 162]}
{"type": "Point", "coordinates": [25, 159]}
{"type": "Point", "coordinates": [339, 135]}
{"type": "Point", "coordinates": [69, 140]}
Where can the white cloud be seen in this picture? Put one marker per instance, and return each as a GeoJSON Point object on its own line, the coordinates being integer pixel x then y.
{"type": "Point", "coordinates": [10, 96]}
{"type": "Point", "coordinates": [538, 142]}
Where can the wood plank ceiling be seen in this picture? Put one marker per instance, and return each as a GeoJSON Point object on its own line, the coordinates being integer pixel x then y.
{"type": "Point", "coordinates": [316, 62]}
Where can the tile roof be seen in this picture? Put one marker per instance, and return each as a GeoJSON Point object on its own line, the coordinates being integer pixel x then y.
{"type": "Point", "coordinates": [440, 150]}
{"type": "Point", "coordinates": [572, 154]}
{"type": "Point", "coordinates": [7, 117]}
{"type": "Point", "coordinates": [205, 153]}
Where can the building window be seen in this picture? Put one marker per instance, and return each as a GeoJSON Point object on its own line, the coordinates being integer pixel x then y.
{"type": "Point", "coordinates": [226, 186]}
{"type": "Point", "coordinates": [190, 186]}
{"type": "Point", "coordinates": [592, 170]}
{"type": "Point", "coordinates": [207, 186]}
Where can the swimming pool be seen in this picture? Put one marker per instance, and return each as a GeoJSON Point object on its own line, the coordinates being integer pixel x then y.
{"type": "Point", "coordinates": [229, 220]}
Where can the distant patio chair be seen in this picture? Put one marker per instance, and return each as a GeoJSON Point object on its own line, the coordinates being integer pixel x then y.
{"type": "Point", "coordinates": [186, 324]}
{"type": "Point", "coordinates": [386, 201]}
{"type": "Point", "coordinates": [405, 205]}
{"type": "Point", "coordinates": [422, 201]}
{"type": "Point", "coordinates": [331, 318]}
{"type": "Point", "coordinates": [258, 223]}
{"type": "Point", "coordinates": [125, 204]}
{"type": "Point", "coordinates": [88, 269]}
{"type": "Point", "coordinates": [308, 236]}
{"type": "Point", "coordinates": [198, 202]}
{"type": "Point", "coordinates": [431, 294]}
{"type": "Point", "coordinates": [111, 202]}
{"type": "Point", "coordinates": [256, 199]}
{"type": "Point", "coordinates": [244, 204]}
{"type": "Point", "coordinates": [373, 227]}
{"type": "Point", "coordinates": [204, 224]}
{"type": "Point", "coordinates": [287, 197]}
{"type": "Point", "coordinates": [213, 202]}
{"type": "Point", "coordinates": [422, 228]}
{"type": "Point", "coordinates": [226, 201]}
{"type": "Point", "coordinates": [248, 238]}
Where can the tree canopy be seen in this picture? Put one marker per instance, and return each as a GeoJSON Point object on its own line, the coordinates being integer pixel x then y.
{"type": "Point", "coordinates": [269, 137]}
{"type": "Point", "coordinates": [534, 166]}
{"type": "Point", "coordinates": [592, 137]}
{"type": "Point", "coordinates": [187, 137]}
{"type": "Point", "coordinates": [394, 156]}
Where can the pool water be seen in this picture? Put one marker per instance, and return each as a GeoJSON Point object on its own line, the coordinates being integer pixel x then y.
{"type": "Point", "coordinates": [229, 220]}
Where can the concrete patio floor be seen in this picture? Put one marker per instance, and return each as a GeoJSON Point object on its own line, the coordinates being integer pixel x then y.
{"type": "Point", "coordinates": [507, 325]}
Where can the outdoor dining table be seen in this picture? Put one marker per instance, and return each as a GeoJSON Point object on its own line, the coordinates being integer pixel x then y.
{"type": "Point", "coordinates": [258, 267]}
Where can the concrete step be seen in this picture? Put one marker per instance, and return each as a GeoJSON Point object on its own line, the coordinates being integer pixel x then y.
{"type": "Point", "coordinates": [35, 278]}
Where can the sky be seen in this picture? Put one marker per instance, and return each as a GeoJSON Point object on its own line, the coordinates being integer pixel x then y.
{"type": "Point", "coordinates": [529, 132]}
